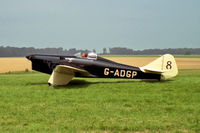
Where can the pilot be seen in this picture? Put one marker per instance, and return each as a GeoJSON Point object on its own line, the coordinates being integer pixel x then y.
{"type": "Point", "coordinates": [84, 55]}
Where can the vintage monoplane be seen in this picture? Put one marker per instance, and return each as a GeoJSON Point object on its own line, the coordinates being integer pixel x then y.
{"type": "Point", "coordinates": [64, 68]}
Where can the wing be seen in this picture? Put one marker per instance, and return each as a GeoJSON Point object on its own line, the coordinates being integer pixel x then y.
{"type": "Point", "coordinates": [63, 74]}
{"type": "Point", "coordinates": [68, 69]}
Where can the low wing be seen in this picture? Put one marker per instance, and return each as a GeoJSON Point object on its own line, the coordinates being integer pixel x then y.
{"type": "Point", "coordinates": [69, 69]}
{"type": "Point", "coordinates": [63, 74]}
{"type": "Point", "coordinates": [151, 70]}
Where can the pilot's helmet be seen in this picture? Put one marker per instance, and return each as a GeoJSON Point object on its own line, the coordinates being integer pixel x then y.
{"type": "Point", "coordinates": [84, 55]}
{"type": "Point", "coordinates": [92, 55]}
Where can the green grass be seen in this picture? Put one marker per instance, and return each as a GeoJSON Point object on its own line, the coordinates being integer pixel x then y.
{"type": "Point", "coordinates": [28, 104]}
{"type": "Point", "coordinates": [187, 56]}
{"type": "Point", "coordinates": [176, 56]}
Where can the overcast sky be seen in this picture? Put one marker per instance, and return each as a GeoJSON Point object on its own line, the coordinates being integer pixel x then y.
{"type": "Point", "coordinates": [94, 24]}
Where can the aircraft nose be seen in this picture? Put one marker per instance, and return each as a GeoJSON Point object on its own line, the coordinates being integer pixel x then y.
{"type": "Point", "coordinates": [29, 57]}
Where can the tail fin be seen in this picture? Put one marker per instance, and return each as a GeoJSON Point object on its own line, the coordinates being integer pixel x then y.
{"type": "Point", "coordinates": [165, 65]}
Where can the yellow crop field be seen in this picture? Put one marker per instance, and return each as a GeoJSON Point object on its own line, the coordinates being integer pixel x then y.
{"type": "Point", "coordinates": [22, 64]}
{"type": "Point", "coordinates": [183, 63]}
{"type": "Point", "coordinates": [14, 65]}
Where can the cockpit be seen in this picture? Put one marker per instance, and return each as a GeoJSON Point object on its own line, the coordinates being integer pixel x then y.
{"type": "Point", "coordinates": [91, 55]}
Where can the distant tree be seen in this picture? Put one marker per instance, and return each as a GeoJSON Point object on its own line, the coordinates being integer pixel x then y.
{"type": "Point", "coordinates": [104, 51]}
{"type": "Point", "coordinates": [120, 51]}
{"type": "Point", "coordinates": [187, 53]}
{"type": "Point", "coordinates": [72, 51]}
{"type": "Point", "coordinates": [94, 50]}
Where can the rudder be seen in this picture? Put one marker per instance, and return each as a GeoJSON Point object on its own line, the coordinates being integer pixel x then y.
{"type": "Point", "coordinates": [165, 65]}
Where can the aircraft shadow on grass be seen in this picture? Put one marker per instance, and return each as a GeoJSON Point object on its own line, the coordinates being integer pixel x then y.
{"type": "Point", "coordinates": [78, 83]}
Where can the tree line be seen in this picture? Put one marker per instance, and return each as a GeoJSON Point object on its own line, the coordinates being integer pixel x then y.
{"type": "Point", "coordinates": [175, 51]}
{"type": "Point", "coordinates": [21, 52]}
{"type": "Point", "coordinates": [24, 51]}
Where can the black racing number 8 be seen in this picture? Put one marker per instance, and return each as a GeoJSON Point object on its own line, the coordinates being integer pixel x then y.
{"type": "Point", "coordinates": [169, 65]}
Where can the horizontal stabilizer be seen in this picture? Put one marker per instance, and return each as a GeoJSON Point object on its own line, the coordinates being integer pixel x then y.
{"type": "Point", "coordinates": [151, 70]}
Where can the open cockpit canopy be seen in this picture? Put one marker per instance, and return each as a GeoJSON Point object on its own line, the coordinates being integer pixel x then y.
{"type": "Point", "coordinates": [90, 55]}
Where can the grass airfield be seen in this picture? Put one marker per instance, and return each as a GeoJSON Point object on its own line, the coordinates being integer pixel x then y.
{"type": "Point", "coordinates": [28, 104]}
